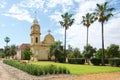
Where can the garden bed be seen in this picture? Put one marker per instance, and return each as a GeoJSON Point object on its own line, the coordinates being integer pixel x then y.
{"type": "Point", "coordinates": [37, 69]}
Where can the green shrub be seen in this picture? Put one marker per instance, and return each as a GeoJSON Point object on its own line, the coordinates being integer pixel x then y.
{"type": "Point", "coordinates": [37, 69]}
{"type": "Point", "coordinates": [71, 60]}
{"type": "Point", "coordinates": [95, 61]}
{"type": "Point", "coordinates": [114, 62]}
{"type": "Point", "coordinates": [80, 60]}
{"type": "Point", "coordinates": [106, 61]}
{"type": "Point", "coordinates": [60, 70]}
{"type": "Point", "coordinates": [76, 60]}
{"type": "Point", "coordinates": [61, 59]}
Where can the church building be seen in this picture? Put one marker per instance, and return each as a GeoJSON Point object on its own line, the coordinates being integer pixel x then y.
{"type": "Point", "coordinates": [40, 49]}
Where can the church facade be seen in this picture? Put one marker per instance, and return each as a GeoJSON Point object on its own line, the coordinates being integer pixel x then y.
{"type": "Point", "coordinates": [40, 49]}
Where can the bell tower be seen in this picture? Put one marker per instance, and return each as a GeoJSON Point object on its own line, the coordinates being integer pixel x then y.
{"type": "Point", "coordinates": [35, 38]}
{"type": "Point", "coordinates": [35, 33]}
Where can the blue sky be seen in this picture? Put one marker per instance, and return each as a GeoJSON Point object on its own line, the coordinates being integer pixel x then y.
{"type": "Point", "coordinates": [16, 18]}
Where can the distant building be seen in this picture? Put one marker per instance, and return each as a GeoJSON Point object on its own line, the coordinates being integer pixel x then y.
{"type": "Point", "coordinates": [40, 49]}
{"type": "Point", "coordinates": [20, 49]}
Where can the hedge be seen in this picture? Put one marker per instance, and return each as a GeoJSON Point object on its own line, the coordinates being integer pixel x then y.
{"type": "Point", "coordinates": [61, 60]}
{"type": "Point", "coordinates": [95, 61]}
{"type": "Point", "coordinates": [114, 62]}
{"type": "Point", "coordinates": [76, 60]}
{"type": "Point", "coordinates": [37, 69]}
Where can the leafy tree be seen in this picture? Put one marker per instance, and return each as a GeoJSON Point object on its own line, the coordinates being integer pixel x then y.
{"type": "Point", "coordinates": [90, 51]}
{"type": "Point", "coordinates": [7, 39]}
{"type": "Point", "coordinates": [98, 53]}
{"type": "Point", "coordinates": [66, 23]}
{"type": "Point", "coordinates": [88, 19]}
{"type": "Point", "coordinates": [27, 53]}
{"type": "Point", "coordinates": [77, 53]}
{"type": "Point", "coordinates": [56, 50]}
{"type": "Point", "coordinates": [113, 51]}
{"type": "Point", "coordinates": [13, 50]}
{"type": "Point", "coordinates": [69, 52]}
{"type": "Point", "coordinates": [7, 51]}
{"type": "Point", "coordinates": [2, 55]}
{"type": "Point", "coordinates": [104, 13]}
{"type": "Point", "coordinates": [70, 55]}
{"type": "Point", "coordinates": [70, 49]}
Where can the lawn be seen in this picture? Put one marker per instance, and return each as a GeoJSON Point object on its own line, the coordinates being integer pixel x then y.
{"type": "Point", "coordinates": [78, 69]}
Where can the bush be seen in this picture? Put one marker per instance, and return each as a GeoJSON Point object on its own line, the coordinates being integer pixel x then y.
{"type": "Point", "coordinates": [95, 61]}
{"type": "Point", "coordinates": [106, 61]}
{"type": "Point", "coordinates": [76, 60]}
{"type": "Point", "coordinates": [114, 62]}
{"type": "Point", "coordinates": [37, 69]}
{"type": "Point", "coordinates": [61, 59]}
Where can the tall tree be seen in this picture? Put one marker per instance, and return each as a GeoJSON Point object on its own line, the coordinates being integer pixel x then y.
{"type": "Point", "coordinates": [77, 53]}
{"type": "Point", "coordinates": [104, 12]}
{"type": "Point", "coordinates": [98, 53]}
{"type": "Point", "coordinates": [2, 54]}
{"type": "Point", "coordinates": [88, 19]}
{"type": "Point", "coordinates": [113, 51]}
{"type": "Point", "coordinates": [90, 51]}
{"type": "Point", "coordinates": [27, 53]}
{"type": "Point", "coordinates": [7, 39]}
{"type": "Point", "coordinates": [56, 50]}
{"type": "Point", "coordinates": [66, 23]}
{"type": "Point", "coordinates": [13, 50]}
{"type": "Point", "coordinates": [7, 51]}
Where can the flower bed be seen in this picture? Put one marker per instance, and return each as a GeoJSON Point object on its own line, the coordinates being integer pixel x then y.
{"type": "Point", "coordinates": [37, 69]}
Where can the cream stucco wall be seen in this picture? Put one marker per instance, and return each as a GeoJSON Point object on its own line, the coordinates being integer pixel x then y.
{"type": "Point", "coordinates": [40, 49]}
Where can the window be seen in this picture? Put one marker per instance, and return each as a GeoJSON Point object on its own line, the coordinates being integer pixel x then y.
{"type": "Point", "coordinates": [36, 39]}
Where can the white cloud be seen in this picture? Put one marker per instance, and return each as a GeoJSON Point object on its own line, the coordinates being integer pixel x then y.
{"type": "Point", "coordinates": [56, 17]}
{"type": "Point", "coordinates": [54, 3]}
{"type": "Point", "coordinates": [32, 4]}
{"type": "Point", "coordinates": [2, 4]}
{"type": "Point", "coordinates": [76, 35]}
{"type": "Point", "coordinates": [63, 5]}
{"type": "Point", "coordinates": [18, 13]}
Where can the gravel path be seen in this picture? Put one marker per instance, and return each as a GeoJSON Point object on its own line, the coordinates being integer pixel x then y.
{"type": "Point", "coordinates": [5, 75]}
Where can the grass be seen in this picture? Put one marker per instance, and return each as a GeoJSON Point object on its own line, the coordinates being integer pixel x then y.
{"type": "Point", "coordinates": [78, 69]}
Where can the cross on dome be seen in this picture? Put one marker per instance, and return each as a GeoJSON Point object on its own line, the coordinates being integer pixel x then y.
{"type": "Point", "coordinates": [35, 21]}
{"type": "Point", "coordinates": [49, 31]}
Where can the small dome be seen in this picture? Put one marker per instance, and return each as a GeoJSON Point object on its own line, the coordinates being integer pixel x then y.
{"type": "Point", "coordinates": [35, 21]}
{"type": "Point", "coordinates": [49, 39]}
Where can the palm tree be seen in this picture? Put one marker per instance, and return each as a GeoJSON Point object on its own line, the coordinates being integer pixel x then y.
{"type": "Point", "coordinates": [66, 23]}
{"type": "Point", "coordinates": [104, 13]}
{"type": "Point", "coordinates": [7, 39]}
{"type": "Point", "coordinates": [88, 19]}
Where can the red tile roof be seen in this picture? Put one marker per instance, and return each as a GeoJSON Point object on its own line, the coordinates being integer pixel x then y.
{"type": "Point", "coordinates": [22, 46]}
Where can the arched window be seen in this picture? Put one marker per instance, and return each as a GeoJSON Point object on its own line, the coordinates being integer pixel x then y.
{"type": "Point", "coordinates": [36, 39]}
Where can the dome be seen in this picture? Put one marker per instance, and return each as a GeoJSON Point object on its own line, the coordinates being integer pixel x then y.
{"type": "Point", "coordinates": [49, 39]}
{"type": "Point", "coordinates": [35, 21]}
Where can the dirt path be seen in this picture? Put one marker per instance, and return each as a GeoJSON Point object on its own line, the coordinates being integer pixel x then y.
{"type": "Point", "coordinates": [5, 75]}
{"type": "Point", "coordinates": [101, 76]}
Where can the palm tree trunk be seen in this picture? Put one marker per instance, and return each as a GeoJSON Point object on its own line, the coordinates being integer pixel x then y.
{"type": "Point", "coordinates": [103, 45]}
{"type": "Point", "coordinates": [87, 43]}
{"type": "Point", "coordinates": [87, 36]}
{"type": "Point", "coordinates": [65, 46]}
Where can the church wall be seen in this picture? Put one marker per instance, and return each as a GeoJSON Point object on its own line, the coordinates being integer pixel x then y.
{"type": "Point", "coordinates": [43, 53]}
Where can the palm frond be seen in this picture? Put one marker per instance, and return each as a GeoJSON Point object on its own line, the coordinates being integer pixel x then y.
{"type": "Point", "coordinates": [110, 9]}
{"type": "Point", "coordinates": [108, 16]}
